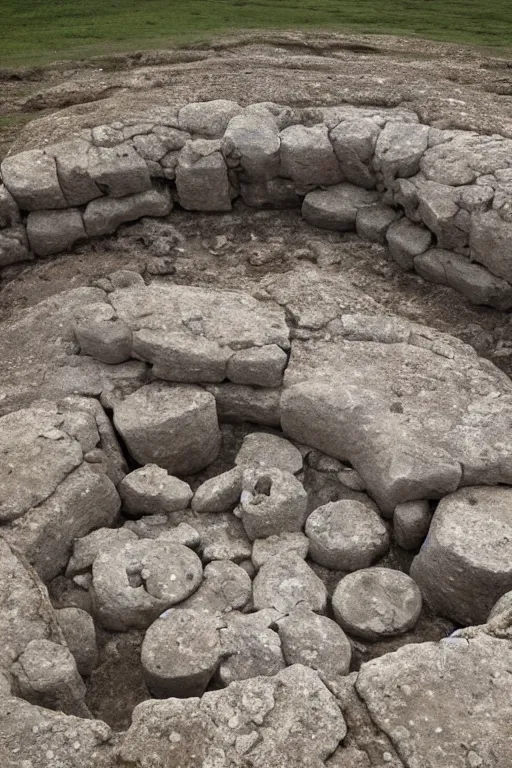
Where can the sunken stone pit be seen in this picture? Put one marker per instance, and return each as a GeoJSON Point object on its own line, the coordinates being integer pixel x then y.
{"type": "Point", "coordinates": [227, 542]}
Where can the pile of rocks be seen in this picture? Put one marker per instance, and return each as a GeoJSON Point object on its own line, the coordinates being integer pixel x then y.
{"type": "Point", "coordinates": [440, 199]}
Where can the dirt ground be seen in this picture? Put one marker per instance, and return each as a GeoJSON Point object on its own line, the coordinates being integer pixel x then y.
{"type": "Point", "coordinates": [314, 274]}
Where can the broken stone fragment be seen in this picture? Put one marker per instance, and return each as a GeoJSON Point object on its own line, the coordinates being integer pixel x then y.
{"type": "Point", "coordinates": [470, 544]}
{"type": "Point", "coordinates": [406, 241]}
{"type": "Point", "coordinates": [261, 366]}
{"type": "Point", "coordinates": [249, 648]}
{"type": "Point", "coordinates": [150, 490]}
{"type": "Point", "coordinates": [80, 635]}
{"type": "Point", "coordinates": [262, 449]}
{"type": "Point", "coordinates": [277, 545]}
{"type": "Point", "coordinates": [307, 156]}
{"type": "Point", "coordinates": [220, 493]}
{"type": "Point", "coordinates": [336, 207]}
{"type": "Point", "coordinates": [225, 587]}
{"type": "Point", "coordinates": [373, 221]}
{"type": "Point", "coordinates": [411, 522]}
{"type": "Point", "coordinates": [118, 171]}
{"type": "Point", "coordinates": [346, 535]}
{"type": "Point", "coordinates": [376, 602]}
{"type": "Point", "coordinates": [102, 334]}
{"type": "Point", "coordinates": [104, 215]}
{"type": "Point", "coordinates": [272, 502]}
{"type": "Point", "coordinates": [354, 143]}
{"type": "Point", "coordinates": [31, 178]}
{"type": "Point", "coordinates": [208, 118]}
{"type": "Point", "coordinates": [180, 653]}
{"type": "Point", "coordinates": [174, 427]}
{"type": "Point", "coordinates": [202, 178]}
{"type": "Point", "coordinates": [286, 582]}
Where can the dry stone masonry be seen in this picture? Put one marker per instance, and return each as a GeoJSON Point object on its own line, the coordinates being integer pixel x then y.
{"type": "Point", "coordinates": [440, 199]}
{"type": "Point", "coordinates": [264, 548]}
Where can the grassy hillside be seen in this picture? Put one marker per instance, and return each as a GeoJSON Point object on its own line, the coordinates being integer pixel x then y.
{"type": "Point", "coordinates": [43, 30]}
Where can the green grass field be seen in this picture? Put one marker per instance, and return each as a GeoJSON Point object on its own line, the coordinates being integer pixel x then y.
{"type": "Point", "coordinates": [38, 31]}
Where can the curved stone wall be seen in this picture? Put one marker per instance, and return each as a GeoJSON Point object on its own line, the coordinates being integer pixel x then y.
{"type": "Point", "coordinates": [440, 199]}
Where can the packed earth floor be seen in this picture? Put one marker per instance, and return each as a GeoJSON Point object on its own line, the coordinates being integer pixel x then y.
{"type": "Point", "coordinates": [296, 553]}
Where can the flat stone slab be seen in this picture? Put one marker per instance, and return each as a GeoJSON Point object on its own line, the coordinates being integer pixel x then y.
{"type": "Point", "coordinates": [417, 413]}
{"type": "Point", "coordinates": [191, 334]}
{"type": "Point", "coordinates": [444, 704]}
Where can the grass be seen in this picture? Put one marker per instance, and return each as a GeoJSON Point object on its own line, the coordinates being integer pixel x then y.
{"type": "Point", "coordinates": [37, 31]}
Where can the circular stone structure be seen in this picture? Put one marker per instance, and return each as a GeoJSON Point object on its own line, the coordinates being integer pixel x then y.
{"type": "Point", "coordinates": [374, 603]}
{"type": "Point", "coordinates": [346, 535]}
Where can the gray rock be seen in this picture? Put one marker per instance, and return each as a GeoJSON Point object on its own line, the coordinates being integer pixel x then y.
{"type": "Point", "coordinates": [180, 653]}
{"type": "Point", "coordinates": [78, 629]}
{"type": "Point", "coordinates": [202, 178]}
{"type": "Point", "coordinates": [72, 158]}
{"type": "Point", "coordinates": [54, 231]}
{"type": "Point", "coordinates": [87, 548]}
{"type": "Point", "coordinates": [220, 493]}
{"type": "Point", "coordinates": [354, 143]}
{"type": "Point", "coordinates": [208, 118]}
{"type": "Point", "coordinates": [336, 208]}
{"type": "Point", "coordinates": [291, 714]}
{"type": "Point", "coordinates": [501, 610]}
{"type": "Point", "coordinates": [190, 333]}
{"type": "Point", "coordinates": [249, 648]}
{"type": "Point", "coordinates": [315, 641]}
{"type": "Point", "coordinates": [118, 171]}
{"type": "Point", "coordinates": [406, 241]}
{"type": "Point", "coordinates": [252, 139]}
{"type": "Point", "coordinates": [490, 238]}
{"type": "Point", "coordinates": [464, 566]}
{"type": "Point", "coordinates": [262, 366]}
{"type": "Point", "coordinates": [31, 178]}
{"type": "Point", "coordinates": [13, 246]}
{"type": "Point", "coordinates": [307, 156]}
{"type": "Point", "coordinates": [439, 210]}
{"type": "Point", "coordinates": [9, 211]}
{"type": "Point", "coordinates": [272, 502]}
{"type": "Point", "coordinates": [374, 603]}
{"type": "Point", "coordinates": [104, 215]}
{"type": "Point", "coordinates": [346, 535]}
{"type": "Point", "coordinates": [399, 150]}
{"type": "Point", "coordinates": [372, 404]}
{"type": "Point", "coordinates": [173, 426]}
{"type": "Point", "coordinates": [106, 136]}
{"type": "Point", "coordinates": [150, 490]}
{"type": "Point", "coordinates": [373, 221]}
{"type": "Point", "coordinates": [46, 674]}
{"type": "Point", "coordinates": [239, 403]}
{"type": "Point", "coordinates": [225, 587]}
{"type": "Point", "coordinates": [428, 698]}
{"type": "Point", "coordinates": [474, 281]}
{"type": "Point", "coordinates": [102, 335]}
{"type": "Point", "coordinates": [222, 535]}
{"type": "Point", "coordinates": [262, 449]}
{"type": "Point", "coordinates": [287, 582]}
{"type": "Point", "coordinates": [277, 545]}
{"type": "Point", "coordinates": [133, 584]}
{"type": "Point", "coordinates": [411, 522]}
{"type": "Point", "coordinates": [29, 734]}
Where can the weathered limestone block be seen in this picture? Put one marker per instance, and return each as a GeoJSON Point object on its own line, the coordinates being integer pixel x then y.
{"type": "Point", "coordinates": [474, 281]}
{"type": "Point", "coordinates": [464, 566]}
{"type": "Point", "coordinates": [253, 140]}
{"type": "Point", "coordinates": [354, 143]}
{"type": "Point", "coordinates": [202, 177]}
{"type": "Point", "coordinates": [286, 582]}
{"type": "Point", "coordinates": [118, 171]}
{"type": "Point", "coordinates": [79, 632]}
{"type": "Point", "coordinates": [13, 246]}
{"type": "Point", "coordinates": [104, 215]}
{"type": "Point", "coordinates": [150, 490]}
{"type": "Point", "coordinates": [490, 239]}
{"type": "Point", "coordinates": [411, 522]}
{"type": "Point", "coordinates": [262, 366]}
{"type": "Point", "coordinates": [291, 714]}
{"type": "Point", "coordinates": [399, 150]}
{"type": "Point", "coordinates": [373, 221]}
{"type": "Point", "coordinates": [249, 647]}
{"type": "Point", "coordinates": [226, 587]}
{"type": "Point", "coordinates": [173, 426]}
{"type": "Point", "coordinates": [72, 158]}
{"type": "Point", "coordinates": [31, 178]}
{"type": "Point", "coordinates": [208, 118]}
{"type": "Point", "coordinates": [336, 208]}
{"type": "Point", "coordinates": [102, 335]}
{"type": "Point", "coordinates": [239, 403]}
{"type": "Point", "coordinates": [219, 493]}
{"type": "Point", "coordinates": [406, 241]}
{"type": "Point", "coordinates": [272, 502]}
{"type": "Point", "coordinates": [447, 701]}
{"type": "Point", "coordinates": [267, 451]}
{"type": "Point", "coordinates": [54, 231]}
{"type": "Point", "coordinates": [180, 653]}
{"type": "Point", "coordinates": [465, 157]}
{"type": "Point", "coordinates": [438, 209]}
{"type": "Point", "coordinates": [307, 156]}
{"type": "Point", "coordinates": [379, 406]}
{"type": "Point", "coordinates": [295, 543]}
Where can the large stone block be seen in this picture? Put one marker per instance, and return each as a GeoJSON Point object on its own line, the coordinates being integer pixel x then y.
{"type": "Point", "coordinates": [104, 215]}
{"type": "Point", "coordinates": [54, 231]}
{"type": "Point", "coordinates": [31, 178]}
